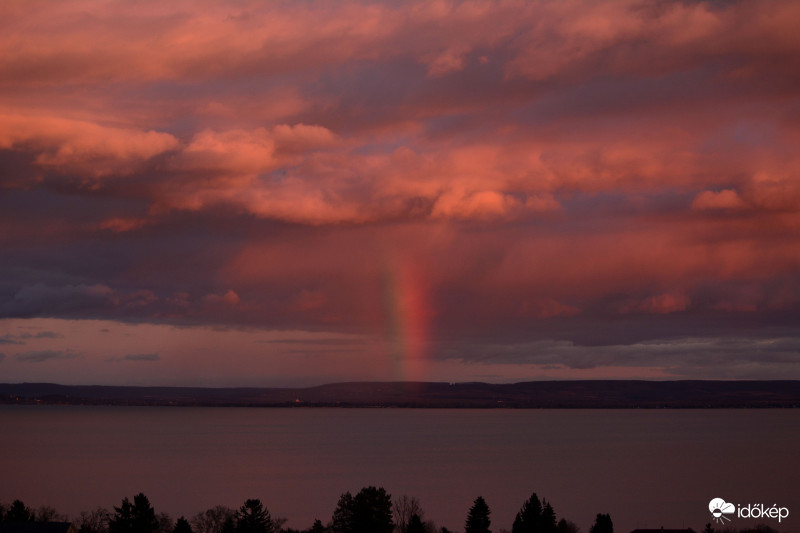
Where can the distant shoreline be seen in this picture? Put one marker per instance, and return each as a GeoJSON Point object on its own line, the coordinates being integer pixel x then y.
{"type": "Point", "coordinates": [590, 394]}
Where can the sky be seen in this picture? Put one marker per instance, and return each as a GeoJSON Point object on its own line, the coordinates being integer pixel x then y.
{"type": "Point", "coordinates": [292, 193]}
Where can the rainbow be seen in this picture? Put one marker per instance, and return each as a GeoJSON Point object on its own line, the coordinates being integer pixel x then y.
{"type": "Point", "coordinates": [407, 315]}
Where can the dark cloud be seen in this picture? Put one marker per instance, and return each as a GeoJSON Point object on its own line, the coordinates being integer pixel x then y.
{"type": "Point", "coordinates": [39, 299]}
{"type": "Point", "coordinates": [20, 338]}
{"type": "Point", "coordinates": [146, 357]}
{"type": "Point", "coordinates": [329, 341]}
{"type": "Point", "coordinates": [41, 356]}
{"type": "Point", "coordinates": [696, 358]}
{"type": "Point", "coordinates": [41, 335]}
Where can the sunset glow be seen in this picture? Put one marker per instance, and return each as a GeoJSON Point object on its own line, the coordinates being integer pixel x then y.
{"type": "Point", "coordinates": [255, 193]}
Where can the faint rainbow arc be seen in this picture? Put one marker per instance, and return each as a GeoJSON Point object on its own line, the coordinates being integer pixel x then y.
{"type": "Point", "coordinates": [407, 312]}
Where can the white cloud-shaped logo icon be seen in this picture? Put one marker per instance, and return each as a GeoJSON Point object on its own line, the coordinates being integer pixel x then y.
{"type": "Point", "coordinates": [719, 508]}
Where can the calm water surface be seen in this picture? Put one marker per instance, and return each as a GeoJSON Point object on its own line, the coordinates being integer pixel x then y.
{"type": "Point", "coordinates": [647, 468]}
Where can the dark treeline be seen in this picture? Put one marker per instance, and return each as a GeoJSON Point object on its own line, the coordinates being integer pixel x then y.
{"type": "Point", "coordinates": [371, 510]}
{"type": "Point", "coordinates": [589, 394]}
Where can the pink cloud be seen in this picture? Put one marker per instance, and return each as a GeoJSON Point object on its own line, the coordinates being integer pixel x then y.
{"type": "Point", "coordinates": [302, 137]}
{"type": "Point", "coordinates": [632, 36]}
{"type": "Point", "coordinates": [538, 40]}
{"type": "Point", "coordinates": [664, 303]}
{"type": "Point", "coordinates": [229, 153]}
{"type": "Point", "coordinates": [478, 205]}
{"type": "Point", "coordinates": [546, 308]}
{"type": "Point", "coordinates": [247, 152]}
{"type": "Point", "coordinates": [724, 199]}
{"type": "Point", "coordinates": [308, 300]}
{"type": "Point", "coordinates": [93, 149]}
{"type": "Point", "coordinates": [230, 298]}
{"type": "Point", "coordinates": [776, 191]}
{"type": "Point", "coordinates": [451, 60]}
{"type": "Point", "coordinates": [120, 225]}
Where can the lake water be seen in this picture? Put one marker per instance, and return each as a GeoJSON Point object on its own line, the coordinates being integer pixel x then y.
{"type": "Point", "coordinates": [647, 468]}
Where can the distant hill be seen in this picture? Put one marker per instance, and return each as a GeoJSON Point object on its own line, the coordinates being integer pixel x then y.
{"type": "Point", "coordinates": [605, 394]}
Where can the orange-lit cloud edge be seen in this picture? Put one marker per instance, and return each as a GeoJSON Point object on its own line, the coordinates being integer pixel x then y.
{"type": "Point", "coordinates": [446, 190]}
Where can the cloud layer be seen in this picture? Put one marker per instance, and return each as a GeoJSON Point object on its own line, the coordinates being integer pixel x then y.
{"type": "Point", "coordinates": [433, 174]}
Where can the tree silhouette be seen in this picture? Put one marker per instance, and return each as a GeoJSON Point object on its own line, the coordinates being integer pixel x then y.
{"type": "Point", "coordinates": [317, 527]}
{"type": "Point", "coordinates": [565, 526]}
{"type": "Point", "coordinates": [138, 517]}
{"type": "Point", "coordinates": [122, 519]}
{"type": "Point", "coordinates": [602, 524]}
{"type": "Point", "coordinates": [478, 517]}
{"type": "Point", "coordinates": [46, 513]}
{"type": "Point", "coordinates": [535, 517]}
{"type": "Point", "coordinates": [372, 511]}
{"type": "Point", "coordinates": [229, 525]}
{"type": "Point", "coordinates": [92, 521]}
{"type": "Point", "coordinates": [144, 516]}
{"type": "Point", "coordinates": [369, 511]}
{"type": "Point", "coordinates": [547, 523]}
{"type": "Point", "coordinates": [708, 528]}
{"type": "Point", "coordinates": [219, 519]}
{"type": "Point", "coordinates": [253, 517]}
{"type": "Point", "coordinates": [165, 523]}
{"type": "Point", "coordinates": [415, 525]}
{"type": "Point", "coordinates": [342, 521]}
{"type": "Point", "coordinates": [182, 526]}
{"type": "Point", "coordinates": [528, 517]}
{"type": "Point", "coordinates": [404, 508]}
{"type": "Point", "coordinates": [18, 512]}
